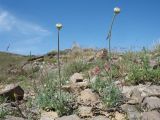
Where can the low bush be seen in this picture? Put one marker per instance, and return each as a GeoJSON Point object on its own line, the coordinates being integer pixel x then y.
{"type": "Point", "coordinates": [3, 112]}
{"type": "Point", "coordinates": [109, 93]}
{"type": "Point", "coordinates": [50, 98]}
{"type": "Point", "coordinates": [143, 72]}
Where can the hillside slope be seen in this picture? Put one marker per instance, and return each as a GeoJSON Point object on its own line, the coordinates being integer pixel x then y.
{"type": "Point", "coordinates": [9, 61]}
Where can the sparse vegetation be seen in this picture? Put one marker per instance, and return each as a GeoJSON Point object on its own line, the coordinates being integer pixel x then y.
{"type": "Point", "coordinates": [3, 112]}
{"type": "Point", "coordinates": [110, 94]}
{"type": "Point", "coordinates": [76, 66]}
{"type": "Point", "coordinates": [48, 97]}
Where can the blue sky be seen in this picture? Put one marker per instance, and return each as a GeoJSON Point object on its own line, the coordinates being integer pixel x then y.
{"type": "Point", "coordinates": [29, 25]}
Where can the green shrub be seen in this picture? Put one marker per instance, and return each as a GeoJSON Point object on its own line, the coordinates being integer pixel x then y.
{"type": "Point", "coordinates": [109, 93]}
{"type": "Point", "coordinates": [112, 96]}
{"type": "Point", "coordinates": [141, 73]}
{"type": "Point", "coordinates": [49, 97]}
{"type": "Point", "coordinates": [3, 112]}
{"type": "Point", "coordinates": [2, 99]}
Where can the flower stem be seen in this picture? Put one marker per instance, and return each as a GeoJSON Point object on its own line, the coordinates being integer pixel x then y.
{"type": "Point", "coordinates": [59, 67]}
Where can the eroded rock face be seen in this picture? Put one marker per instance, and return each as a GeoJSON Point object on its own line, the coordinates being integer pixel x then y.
{"type": "Point", "coordinates": [151, 103]}
{"type": "Point", "coordinates": [76, 84]}
{"type": "Point", "coordinates": [85, 111]}
{"type": "Point", "coordinates": [132, 112]}
{"type": "Point", "coordinates": [48, 115]}
{"type": "Point", "coordinates": [75, 78]}
{"type": "Point", "coordinates": [119, 116]}
{"type": "Point", "coordinates": [87, 97]}
{"type": "Point", "coordinates": [71, 117]}
{"type": "Point", "coordinates": [141, 91]}
{"type": "Point", "coordinates": [12, 92]}
{"type": "Point", "coordinates": [13, 118]}
{"type": "Point", "coordinates": [152, 115]}
{"type": "Point", "coordinates": [100, 118]}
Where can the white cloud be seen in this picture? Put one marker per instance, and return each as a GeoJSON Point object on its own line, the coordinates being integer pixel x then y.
{"type": "Point", "coordinates": [21, 32]}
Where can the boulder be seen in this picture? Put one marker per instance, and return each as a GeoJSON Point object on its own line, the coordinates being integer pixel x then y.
{"type": "Point", "coordinates": [77, 83]}
{"type": "Point", "coordinates": [85, 111]}
{"type": "Point", "coordinates": [152, 115]}
{"type": "Point", "coordinates": [132, 112]}
{"type": "Point", "coordinates": [76, 77]}
{"type": "Point", "coordinates": [153, 90]}
{"type": "Point", "coordinates": [119, 116]}
{"type": "Point", "coordinates": [12, 92]}
{"type": "Point", "coordinates": [8, 117]}
{"type": "Point", "coordinates": [100, 118]}
{"type": "Point", "coordinates": [48, 115]}
{"type": "Point", "coordinates": [87, 97]}
{"type": "Point", "coordinates": [141, 91]}
{"type": "Point", "coordinates": [71, 117]}
{"type": "Point", "coordinates": [151, 103]}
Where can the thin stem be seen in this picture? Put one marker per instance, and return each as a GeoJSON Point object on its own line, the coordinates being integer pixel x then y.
{"type": "Point", "coordinates": [59, 67]}
{"type": "Point", "coordinates": [109, 47]}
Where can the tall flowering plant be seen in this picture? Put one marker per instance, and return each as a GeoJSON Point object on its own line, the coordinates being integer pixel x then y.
{"type": "Point", "coordinates": [116, 12]}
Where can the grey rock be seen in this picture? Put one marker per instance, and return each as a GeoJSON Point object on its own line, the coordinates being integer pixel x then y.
{"type": "Point", "coordinates": [152, 115]}
{"type": "Point", "coordinates": [141, 91]}
{"type": "Point", "coordinates": [153, 90]}
{"type": "Point", "coordinates": [13, 118]}
{"type": "Point", "coordinates": [127, 90]}
{"type": "Point", "coordinates": [87, 97]}
{"type": "Point", "coordinates": [100, 118]}
{"type": "Point", "coordinates": [132, 112]}
{"type": "Point", "coordinates": [151, 103]}
{"type": "Point", "coordinates": [48, 115]}
{"type": "Point", "coordinates": [136, 95]}
{"type": "Point", "coordinates": [12, 92]}
{"type": "Point", "coordinates": [71, 117]}
{"type": "Point", "coordinates": [85, 111]}
{"type": "Point", "coordinates": [76, 77]}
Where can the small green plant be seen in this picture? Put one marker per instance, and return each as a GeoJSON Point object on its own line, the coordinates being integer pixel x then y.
{"type": "Point", "coordinates": [2, 99]}
{"type": "Point", "coordinates": [21, 78]}
{"type": "Point", "coordinates": [110, 94]}
{"type": "Point", "coordinates": [3, 112]}
{"type": "Point", "coordinates": [49, 97]}
{"type": "Point", "coordinates": [142, 72]}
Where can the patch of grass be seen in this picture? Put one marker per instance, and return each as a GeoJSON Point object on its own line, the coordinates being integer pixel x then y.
{"type": "Point", "coordinates": [2, 99]}
{"type": "Point", "coordinates": [8, 61]}
{"type": "Point", "coordinates": [142, 73]}
{"type": "Point", "coordinates": [3, 112]}
{"type": "Point", "coordinates": [76, 66]}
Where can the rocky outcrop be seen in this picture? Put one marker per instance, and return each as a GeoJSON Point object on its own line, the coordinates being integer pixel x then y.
{"type": "Point", "coordinates": [76, 84]}
{"type": "Point", "coordinates": [71, 117]}
{"type": "Point", "coordinates": [48, 115]}
{"type": "Point", "coordinates": [87, 97]}
{"type": "Point", "coordinates": [12, 92]}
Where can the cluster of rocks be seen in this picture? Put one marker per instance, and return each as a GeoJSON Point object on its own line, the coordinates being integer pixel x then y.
{"type": "Point", "coordinates": [89, 106]}
{"type": "Point", "coordinates": [14, 103]}
{"type": "Point", "coordinates": [143, 102]}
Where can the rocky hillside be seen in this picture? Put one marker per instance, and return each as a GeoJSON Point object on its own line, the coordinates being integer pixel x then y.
{"type": "Point", "coordinates": [90, 87]}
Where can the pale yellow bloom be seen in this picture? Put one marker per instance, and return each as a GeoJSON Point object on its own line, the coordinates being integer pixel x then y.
{"type": "Point", "coordinates": [59, 26]}
{"type": "Point", "coordinates": [117, 10]}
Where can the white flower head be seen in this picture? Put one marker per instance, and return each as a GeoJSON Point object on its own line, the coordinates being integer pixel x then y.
{"type": "Point", "coordinates": [117, 10]}
{"type": "Point", "coordinates": [59, 26]}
